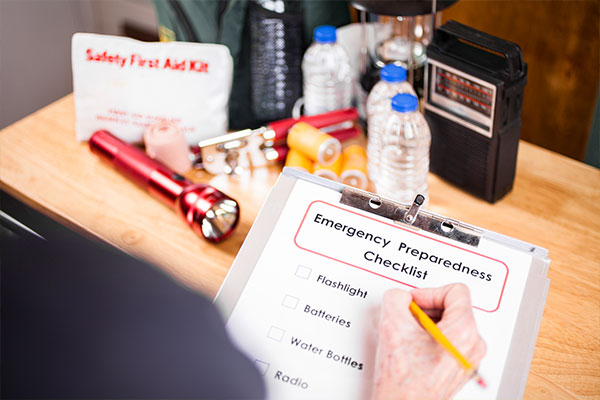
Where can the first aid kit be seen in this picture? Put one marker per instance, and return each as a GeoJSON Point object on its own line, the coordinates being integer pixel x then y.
{"type": "Point", "coordinates": [125, 86]}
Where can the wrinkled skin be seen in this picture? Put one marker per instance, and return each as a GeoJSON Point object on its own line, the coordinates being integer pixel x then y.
{"type": "Point", "coordinates": [410, 364]}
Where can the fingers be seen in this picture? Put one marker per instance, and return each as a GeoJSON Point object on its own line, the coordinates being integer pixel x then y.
{"type": "Point", "coordinates": [457, 321]}
{"type": "Point", "coordinates": [453, 296]}
{"type": "Point", "coordinates": [396, 318]}
{"type": "Point", "coordinates": [394, 308]}
{"type": "Point", "coordinates": [430, 298]}
{"type": "Point", "coordinates": [458, 298]}
{"type": "Point", "coordinates": [478, 352]}
{"type": "Point", "coordinates": [450, 302]}
{"type": "Point", "coordinates": [434, 313]}
{"type": "Point", "coordinates": [396, 301]}
{"type": "Point", "coordinates": [408, 357]}
{"type": "Point", "coordinates": [459, 379]}
{"type": "Point", "coordinates": [475, 355]}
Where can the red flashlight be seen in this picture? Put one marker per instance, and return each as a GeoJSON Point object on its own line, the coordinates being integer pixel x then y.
{"type": "Point", "coordinates": [209, 212]}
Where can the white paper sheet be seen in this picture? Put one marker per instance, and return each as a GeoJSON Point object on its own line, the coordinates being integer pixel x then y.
{"type": "Point", "coordinates": [309, 312]}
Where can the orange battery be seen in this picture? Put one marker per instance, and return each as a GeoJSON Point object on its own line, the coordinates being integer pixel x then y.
{"type": "Point", "coordinates": [314, 143]}
{"type": "Point", "coordinates": [354, 168]}
{"type": "Point", "coordinates": [331, 171]}
{"type": "Point", "coordinates": [296, 159]}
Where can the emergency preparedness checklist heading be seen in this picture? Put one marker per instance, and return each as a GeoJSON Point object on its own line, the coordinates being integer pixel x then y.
{"type": "Point", "coordinates": [399, 254]}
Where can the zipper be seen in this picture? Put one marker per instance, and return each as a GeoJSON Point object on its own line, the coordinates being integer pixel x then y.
{"type": "Point", "coordinates": [186, 26]}
{"type": "Point", "coordinates": [222, 7]}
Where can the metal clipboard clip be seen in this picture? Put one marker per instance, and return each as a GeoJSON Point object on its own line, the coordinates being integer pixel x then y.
{"type": "Point", "coordinates": [412, 215]}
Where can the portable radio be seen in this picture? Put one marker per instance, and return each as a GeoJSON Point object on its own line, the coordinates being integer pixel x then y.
{"type": "Point", "coordinates": [473, 95]}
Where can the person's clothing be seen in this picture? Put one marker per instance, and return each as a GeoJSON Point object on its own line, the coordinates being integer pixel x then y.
{"type": "Point", "coordinates": [82, 320]}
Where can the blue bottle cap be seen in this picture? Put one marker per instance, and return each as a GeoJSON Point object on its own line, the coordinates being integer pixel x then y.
{"type": "Point", "coordinates": [325, 34]}
{"type": "Point", "coordinates": [405, 102]}
{"type": "Point", "coordinates": [393, 73]}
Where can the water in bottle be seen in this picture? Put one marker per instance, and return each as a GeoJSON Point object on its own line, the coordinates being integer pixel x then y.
{"type": "Point", "coordinates": [327, 74]}
{"type": "Point", "coordinates": [405, 152]}
{"type": "Point", "coordinates": [393, 81]}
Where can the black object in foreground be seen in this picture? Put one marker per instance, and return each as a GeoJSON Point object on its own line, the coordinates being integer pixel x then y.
{"type": "Point", "coordinates": [82, 320]}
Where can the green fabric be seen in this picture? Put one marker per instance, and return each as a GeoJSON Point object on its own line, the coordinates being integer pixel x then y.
{"type": "Point", "coordinates": [319, 12]}
{"type": "Point", "coordinates": [234, 33]}
{"type": "Point", "coordinates": [592, 156]}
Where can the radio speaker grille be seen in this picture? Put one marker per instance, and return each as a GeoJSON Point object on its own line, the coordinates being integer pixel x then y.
{"type": "Point", "coordinates": [460, 156]}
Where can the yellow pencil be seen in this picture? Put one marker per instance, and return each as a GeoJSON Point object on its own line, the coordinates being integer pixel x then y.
{"type": "Point", "coordinates": [435, 332]}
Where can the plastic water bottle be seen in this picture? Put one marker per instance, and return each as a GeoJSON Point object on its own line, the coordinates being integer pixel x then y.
{"type": "Point", "coordinates": [327, 74]}
{"type": "Point", "coordinates": [393, 81]}
{"type": "Point", "coordinates": [405, 152]}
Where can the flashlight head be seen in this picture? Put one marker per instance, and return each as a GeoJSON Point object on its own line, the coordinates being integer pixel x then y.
{"type": "Point", "coordinates": [210, 212]}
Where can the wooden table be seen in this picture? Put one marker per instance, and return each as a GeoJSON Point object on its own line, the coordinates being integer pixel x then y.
{"type": "Point", "coordinates": [555, 204]}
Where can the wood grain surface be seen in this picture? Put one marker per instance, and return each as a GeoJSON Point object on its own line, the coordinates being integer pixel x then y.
{"type": "Point", "coordinates": [555, 204]}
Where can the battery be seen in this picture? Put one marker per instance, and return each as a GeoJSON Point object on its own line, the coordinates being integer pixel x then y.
{"type": "Point", "coordinates": [314, 143]}
{"type": "Point", "coordinates": [331, 171]}
{"type": "Point", "coordinates": [354, 168]}
{"type": "Point", "coordinates": [296, 159]}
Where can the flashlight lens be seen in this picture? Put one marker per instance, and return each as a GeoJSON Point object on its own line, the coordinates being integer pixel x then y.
{"type": "Point", "coordinates": [220, 219]}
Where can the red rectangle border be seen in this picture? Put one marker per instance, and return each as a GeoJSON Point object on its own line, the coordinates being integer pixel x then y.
{"type": "Point", "coordinates": [405, 230]}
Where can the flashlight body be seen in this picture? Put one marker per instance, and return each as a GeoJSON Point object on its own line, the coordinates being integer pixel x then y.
{"type": "Point", "coordinates": [191, 200]}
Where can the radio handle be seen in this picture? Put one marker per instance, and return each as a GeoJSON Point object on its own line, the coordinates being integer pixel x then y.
{"type": "Point", "coordinates": [511, 51]}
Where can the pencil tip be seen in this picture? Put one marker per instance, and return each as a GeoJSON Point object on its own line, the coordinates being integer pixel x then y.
{"type": "Point", "coordinates": [481, 381]}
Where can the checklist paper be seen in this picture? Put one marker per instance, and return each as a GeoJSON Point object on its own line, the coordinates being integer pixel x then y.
{"type": "Point", "coordinates": [308, 312]}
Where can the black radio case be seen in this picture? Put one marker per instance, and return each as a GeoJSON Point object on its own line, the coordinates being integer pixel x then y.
{"type": "Point", "coordinates": [484, 166]}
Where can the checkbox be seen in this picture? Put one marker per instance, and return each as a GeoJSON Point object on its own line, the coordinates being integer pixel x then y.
{"type": "Point", "coordinates": [262, 366]}
{"type": "Point", "coordinates": [303, 272]}
{"type": "Point", "coordinates": [276, 333]}
{"type": "Point", "coordinates": [290, 302]}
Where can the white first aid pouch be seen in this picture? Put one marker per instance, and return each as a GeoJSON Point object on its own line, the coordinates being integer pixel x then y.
{"type": "Point", "coordinates": [124, 86]}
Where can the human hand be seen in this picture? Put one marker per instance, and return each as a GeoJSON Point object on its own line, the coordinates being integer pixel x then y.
{"type": "Point", "coordinates": [409, 363]}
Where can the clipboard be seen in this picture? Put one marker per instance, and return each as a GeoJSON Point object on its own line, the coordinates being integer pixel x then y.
{"type": "Point", "coordinates": [301, 296]}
